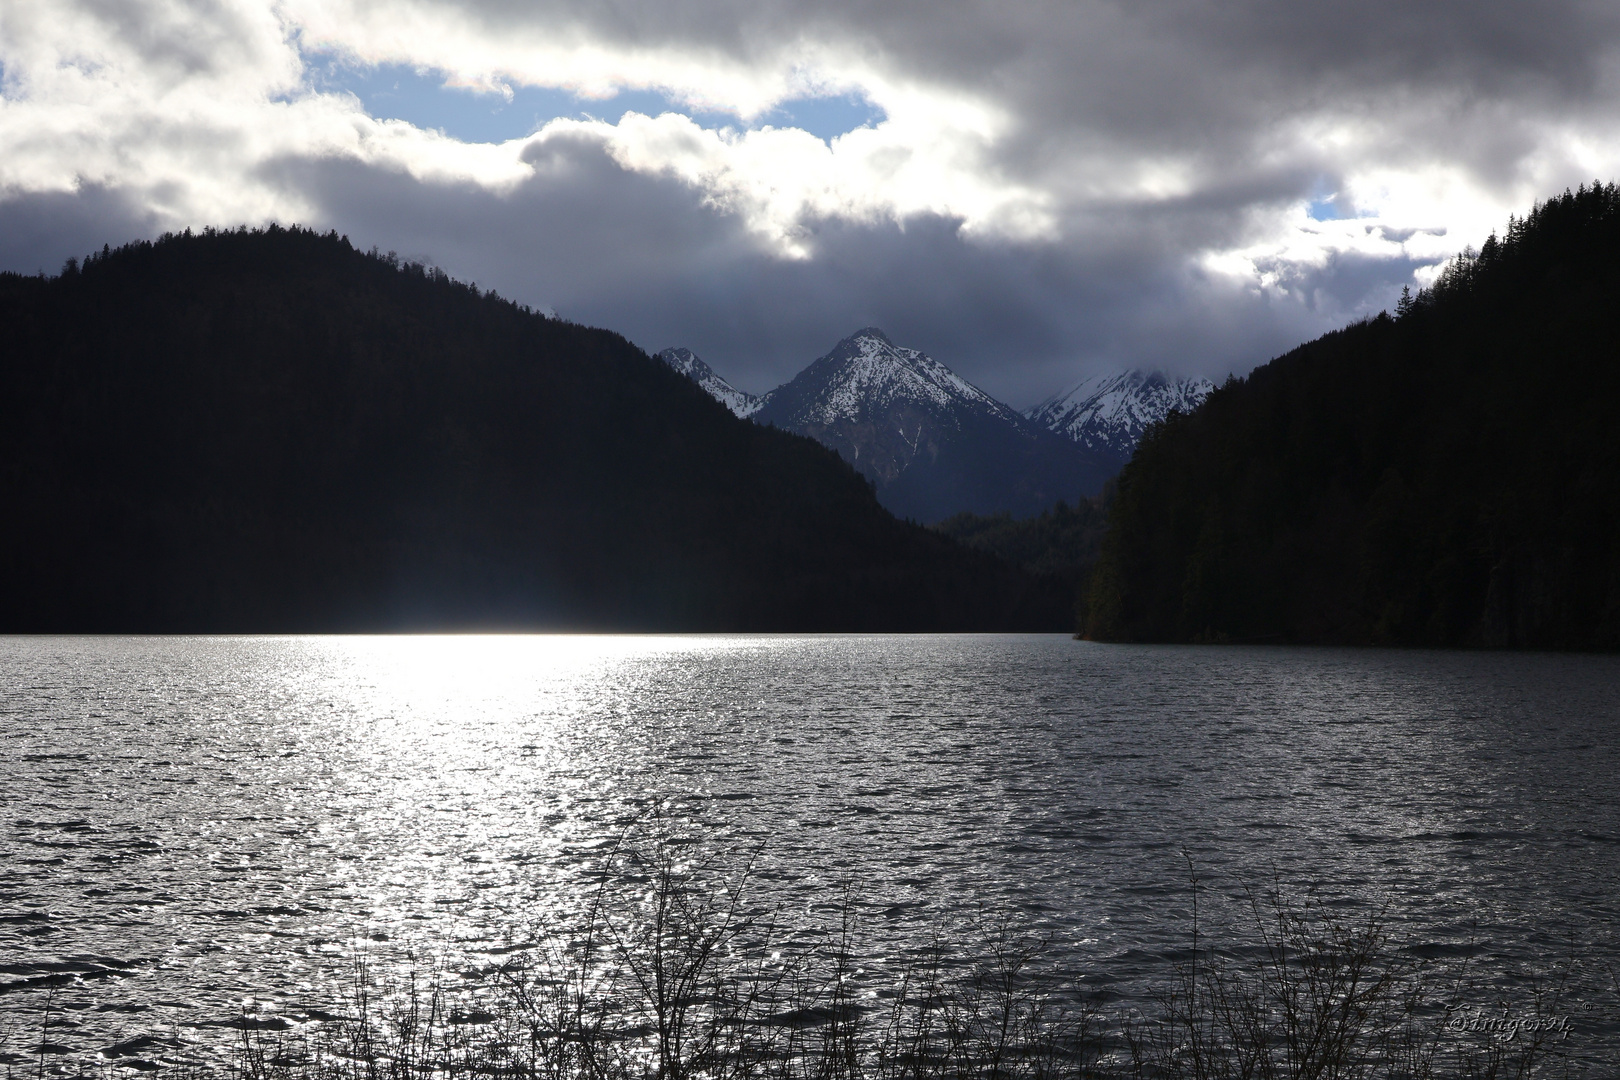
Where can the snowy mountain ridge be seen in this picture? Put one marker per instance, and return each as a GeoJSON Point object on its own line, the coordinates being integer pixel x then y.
{"type": "Point", "coordinates": [866, 375]}
{"type": "Point", "coordinates": [687, 363]}
{"type": "Point", "coordinates": [1108, 414]}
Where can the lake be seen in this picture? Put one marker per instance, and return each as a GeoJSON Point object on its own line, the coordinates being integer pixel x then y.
{"type": "Point", "coordinates": [194, 827]}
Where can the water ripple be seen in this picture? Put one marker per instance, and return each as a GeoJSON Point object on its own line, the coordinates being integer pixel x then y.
{"type": "Point", "coordinates": [192, 823]}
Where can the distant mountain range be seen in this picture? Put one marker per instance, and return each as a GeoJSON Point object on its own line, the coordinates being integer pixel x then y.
{"type": "Point", "coordinates": [934, 445]}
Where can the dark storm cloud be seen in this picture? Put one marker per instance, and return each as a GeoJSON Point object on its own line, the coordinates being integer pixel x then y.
{"type": "Point", "coordinates": [41, 230]}
{"type": "Point", "coordinates": [1559, 38]}
{"type": "Point", "coordinates": [1145, 69]}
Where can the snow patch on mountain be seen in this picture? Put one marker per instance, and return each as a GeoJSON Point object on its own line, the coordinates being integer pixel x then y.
{"type": "Point", "coordinates": [1108, 414]}
{"type": "Point", "coordinates": [687, 363]}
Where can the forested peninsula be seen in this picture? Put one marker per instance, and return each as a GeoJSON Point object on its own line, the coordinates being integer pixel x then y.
{"type": "Point", "coordinates": [1448, 475]}
{"type": "Point", "coordinates": [270, 430]}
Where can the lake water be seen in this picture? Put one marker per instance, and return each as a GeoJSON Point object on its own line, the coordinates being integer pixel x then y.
{"type": "Point", "coordinates": [194, 826]}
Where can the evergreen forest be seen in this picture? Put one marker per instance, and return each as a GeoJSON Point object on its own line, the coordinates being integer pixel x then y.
{"type": "Point", "coordinates": [269, 430]}
{"type": "Point", "coordinates": [1060, 544]}
{"type": "Point", "coordinates": [1448, 475]}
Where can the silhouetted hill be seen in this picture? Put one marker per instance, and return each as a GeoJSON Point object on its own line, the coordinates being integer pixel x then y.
{"type": "Point", "coordinates": [272, 431]}
{"type": "Point", "coordinates": [1449, 476]}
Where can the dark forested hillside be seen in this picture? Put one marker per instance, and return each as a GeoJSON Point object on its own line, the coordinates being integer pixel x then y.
{"type": "Point", "coordinates": [1061, 543]}
{"type": "Point", "coordinates": [272, 431]}
{"type": "Point", "coordinates": [1447, 476]}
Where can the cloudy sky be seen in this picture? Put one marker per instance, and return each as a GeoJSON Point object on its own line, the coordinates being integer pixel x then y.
{"type": "Point", "coordinates": [1029, 191]}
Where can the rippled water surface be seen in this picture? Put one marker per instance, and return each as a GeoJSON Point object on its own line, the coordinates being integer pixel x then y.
{"type": "Point", "coordinates": [194, 823]}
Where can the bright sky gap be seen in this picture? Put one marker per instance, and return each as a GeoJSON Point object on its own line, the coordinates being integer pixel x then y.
{"type": "Point", "coordinates": [432, 100]}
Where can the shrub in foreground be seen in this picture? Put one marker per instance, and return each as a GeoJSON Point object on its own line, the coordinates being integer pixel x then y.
{"type": "Point", "coordinates": [682, 978]}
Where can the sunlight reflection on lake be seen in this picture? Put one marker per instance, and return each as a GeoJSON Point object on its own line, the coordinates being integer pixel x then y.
{"type": "Point", "coordinates": [190, 822]}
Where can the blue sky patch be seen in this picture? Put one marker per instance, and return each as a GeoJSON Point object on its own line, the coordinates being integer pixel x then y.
{"type": "Point", "coordinates": [1323, 210]}
{"type": "Point", "coordinates": [1328, 204]}
{"type": "Point", "coordinates": [400, 92]}
{"type": "Point", "coordinates": [824, 117]}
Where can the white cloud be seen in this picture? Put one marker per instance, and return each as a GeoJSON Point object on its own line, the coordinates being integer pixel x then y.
{"type": "Point", "coordinates": [185, 103]}
{"type": "Point", "coordinates": [779, 180]}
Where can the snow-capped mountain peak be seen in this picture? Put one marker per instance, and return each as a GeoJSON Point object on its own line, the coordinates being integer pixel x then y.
{"type": "Point", "coordinates": [932, 443]}
{"type": "Point", "coordinates": [867, 375]}
{"type": "Point", "coordinates": [687, 363]}
{"type": "Point", "coordinates": [1107, 414]}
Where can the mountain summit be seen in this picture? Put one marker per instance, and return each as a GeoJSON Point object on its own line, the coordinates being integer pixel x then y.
{"type": "Point", "coordinates": [932, 443]}
{"type": "Point", "coordinates": [866, 379]}
{"type": "Point", "coordinates": [1107, 414]}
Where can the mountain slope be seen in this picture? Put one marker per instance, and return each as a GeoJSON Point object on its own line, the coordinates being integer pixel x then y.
{"type": "Point", "coordinates": [932, 443]}
{"type": "Point", "coordinates": [271, 431]}
{"type": "Point", "coordinates": [1108, 414]}
{"type": "Point", "coordinates": [685, 361]}
{"type": "Point", "coordinates": [1450, 476]}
